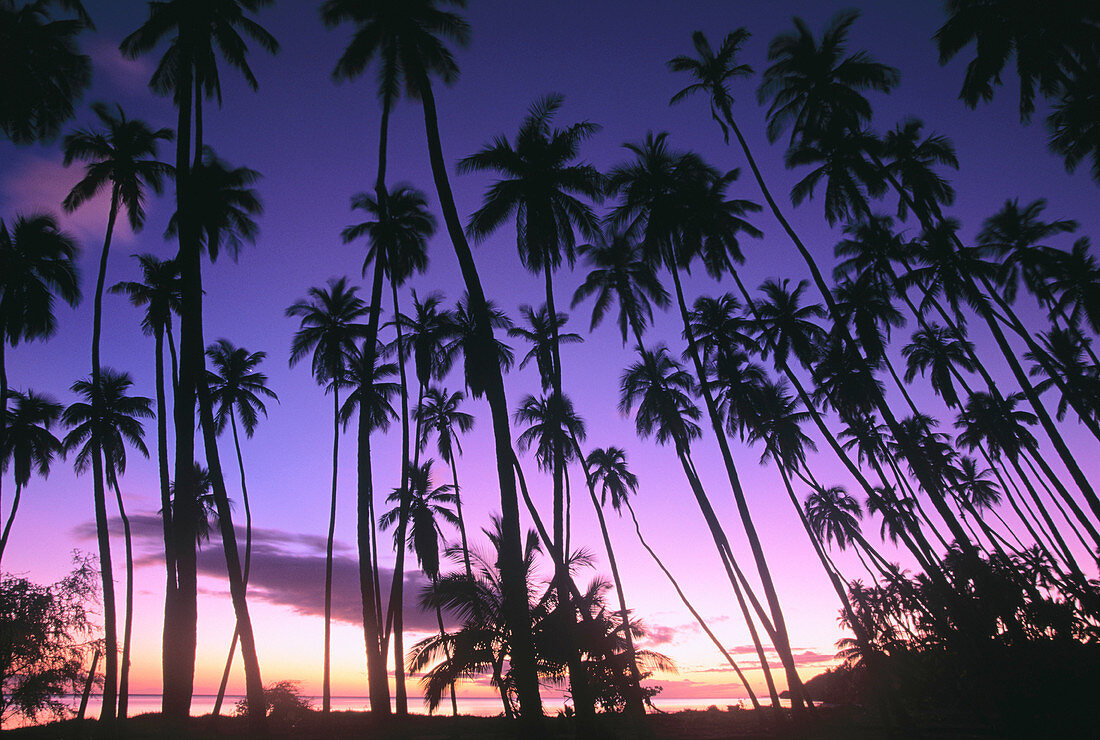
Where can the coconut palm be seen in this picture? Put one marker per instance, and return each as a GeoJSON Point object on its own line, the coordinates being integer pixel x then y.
{"type": "Point", "coordinates": [620, 273]}
{"type": "Point", "coordinates": [37, 261]}
{"type": "Point", "coordinates": [236, 389]}
{"type": "Point", "coordinates": [100, 427]}
{"type": "Point", "coordinates": [1075, 281]}
{"type": "Point", "coordinates": [940, 353]}
{"type": "Point", "coordinates": [1073, 127]}
{"type": "Point", "coordinates": [44, 73]}
{"type": "Point", "coordinates": [188, 71]}
{"type": "Point", "coordinates": [476, 362]}
{"type": "Point", "coordinates": [1063, 355]}
{"type": "Point", "coordinates": [658, 390]}
{"type": "Point", "coordinates": [397, 237]}
{"type": "Point", "coordinates": [438, 414]}
{"type": "Point", "coordinates": [159, 293]}
{"type": "Point", "coordinates": [29, 445]}
{"type": "Point", "coordinates": [371, 396]}
{"type": "Point", "coordinates": [417, 29]}
{"type": "Point", "coordinates": [423, 506]}
{"type": "Point", "coordinates": [910, 162]}
{"type": "Point", "coordinates": [329, 328]}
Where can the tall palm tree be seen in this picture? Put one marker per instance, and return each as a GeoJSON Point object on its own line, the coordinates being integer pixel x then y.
{"type": "Point", "coordinates": [620, 273]}
{"type": "Point", "coordinates": [236, 388]}
{"type": "Point", "coordinates": [43, 74]}
{"type": "Point", "coordinates": [370, 394]}
{"type": "Point", "coordinates": [29, 445]}
{"type": "Point", "coordinates": [100, 426]}
{"type": "Point", "coordinates": [329, 328]}
{"type": "Point", "coordinates": [660, 389]}
{"type": "Point", "coordinates": [121, 157]}
{"type": "Point", "coordinates": [397, 239]}
{"type": "Point", "coordinates": [438, 414]}
{"type": "Point", "coordinates": [424, 506]}
{"type": "Point", "coordinates": [159, 292]}
{"type": "Point", "coordinates": [37, 260]}
{"type": "Point", "coordinates": [188, 71]}
{"type": "Point", "coordinates": [417, 30]}
{"type": "Point", "coordinates": [542, 184]}
{"type": "Point", "coordinates": [680, 203]}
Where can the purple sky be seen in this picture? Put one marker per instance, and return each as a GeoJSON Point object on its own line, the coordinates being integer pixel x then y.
{"type": "Point", "coordinates": [315, 143]}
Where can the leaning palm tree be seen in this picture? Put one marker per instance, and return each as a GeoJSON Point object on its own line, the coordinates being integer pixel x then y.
{"type": "Point", "coordinates": [424, 506]}
{"type": "Point", "coordinates": [43, 74]}
{"type": "Point", "coordinates": [101, 426]}
{"type": "Point", "coordinates": [29, 445]}
{"type": "Point", "coordinates": [121, 157]}
{"type": "Point", "coordinates": [329, 328]}
{"type": "Point", "coordinates": [195, 36]}
{"type": "Point", "coordinates": [37, 260]}
{"type": "Point", "coordinates": [660, 390]}
{"type": "Point", "coordinates": [416, 31]}
{"type": "Point", "coordinates": [235, 389]}
{"type": "Point", "coordinates": [160, 294]}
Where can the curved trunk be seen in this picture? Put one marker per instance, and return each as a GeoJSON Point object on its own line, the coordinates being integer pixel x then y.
{"type": "Point", "coordinates": [377, 682]}
{"type": "Point", "coordinates": [446, 648]}
{"type": "Point", "coordinates": [128, 618]}
{"type": "Point", "coordinates": [511, 560]}
{"type": "Point", "coordinates": [781, 640]}
{"type": "Point", "coordinates": [247, 564]}
{"type": "Point", "coordinates": [635, 700]}
{"type": "Point", "coordinates": [11, 518]}
{"type": "Point", "coordinates": [107, 713]}
{"type": "Point", "coordinates": [326, 687]}
{"type": "Point", "coordinates": [88, 686]}
{"type": "Point", "coordinates": [698, 617]}
{"type": "Point", "coordinates": [461, 521]}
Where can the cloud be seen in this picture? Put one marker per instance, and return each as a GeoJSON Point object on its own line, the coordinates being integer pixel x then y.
{"type": "Point", "coordinates": [287, 569]}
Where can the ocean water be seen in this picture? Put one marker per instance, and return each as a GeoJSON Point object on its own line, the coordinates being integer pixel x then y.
{"type": "Point", "coordinates": [477, 706]}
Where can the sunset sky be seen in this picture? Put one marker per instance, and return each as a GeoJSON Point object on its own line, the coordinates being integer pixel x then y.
{"type": "Point", "coordinates": [315, 143]}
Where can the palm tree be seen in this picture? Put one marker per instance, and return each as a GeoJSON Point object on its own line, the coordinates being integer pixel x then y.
{"type": "Point", "coordinates": [942, 354]}
{"type": "Point", "coordinates": [397, 239]}
{"type": "Point", "coordinates": [608, 469]}
{"type": "Point", "coordinates": [121, 157]}
{"type": "Point", "coordinates": [188, 71]}
{"type": "Point", "coordinates": [911, 162]}
{"type": "Point", "coordinates": [36, 261]}
{"type": "Point", "coordinates": [438, 414]}
{"type": "Point", "coordinates": [28, 445]}
{"type": "Point", "coordinates": [424, 506]}
{"type": "Point", "coordinates": [160, 294]}
{"type": "Point", "coordinates": [544, 335]}
{"type": "Point", "coordinates": [235, 389]}
{"type": "Point", "coordinates": [100, 427]}
{"type": "Point", "coordinates": [44, 73]}
{"type": "Point", "coordinates": [416, 29]}
{"type": "Point", "coordinates": [329, 329]}
{"type": "Point", "coordinates": [660, 390]}
{"type": "Point", "coordinates": [371, 395]}
{"type": "Point", "coordinates": [620, 273]}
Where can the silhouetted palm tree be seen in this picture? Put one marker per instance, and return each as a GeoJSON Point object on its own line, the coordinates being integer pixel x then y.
{"type": "Point", "coordinates": [370, 395]}
{"type": "Point", "coordinates": [423, 506]}
{"type": "Point", "coordinates": [438, 414]}
{"type": "Point", "coordinates": [620, 273]}
{"type": "Point", "coordinates": [100, 427]}
{"type": "Point", "coordinates": [36, 261]}
{"type": "Point", "coordinates": [329, 329]}
{"type": "Point", "coordinates": [159, 292]}
{"type": "Point", "coordinates": [235, 389]}
{"type": "Point", "coordinates": [44, 74]}
{"type": "Point", "coordinates": [188, 71]}
{"type": "Point", "coordinates": [29, 445]}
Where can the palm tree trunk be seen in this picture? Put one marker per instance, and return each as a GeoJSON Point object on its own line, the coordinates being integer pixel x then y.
{"type": "Point", "coordinates": [128, 618]}
{"type": "Point", "coordinates": [107, 712]}
{"type": "Point", "coordinates": [180, 601]}
{"type": "Point", "coordinates": [397, 590]}
{"type": "Point", "coordinates": [446, 647]}
{"type": "Point", "coordinates": [698, 617]}
{"type": "Point", "coordinates": [162, 464]}
{"type": "Point", "coordinates": [11, 519]}
{"type": "Point", "coordinates": [3, 405]}
{"type": "Point", "coordinates": [781, 640]}
{"type": "Point", "coordinates": [511, 561]}
{"type": "Point", "coordinates": [247, 564]}
{"type": "Point", "coordinates": [326, 687]}
{"type": "Point", "coordinates": [461, 521]}
{"type": "Point", "coordinates": [88, 686]}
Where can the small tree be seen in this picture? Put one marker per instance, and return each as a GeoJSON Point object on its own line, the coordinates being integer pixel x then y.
{"type": "Point", "coordinates": [45, 634]}
{"type": "Point", "coordinates": [284, 701]}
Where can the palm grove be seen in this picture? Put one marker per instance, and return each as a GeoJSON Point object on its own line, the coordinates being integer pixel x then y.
{"type": "Point", "coordinates": [989, 500]}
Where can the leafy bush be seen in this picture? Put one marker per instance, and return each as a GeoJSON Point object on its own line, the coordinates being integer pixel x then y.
{"type": "Point", "coordinates": [284, 701]}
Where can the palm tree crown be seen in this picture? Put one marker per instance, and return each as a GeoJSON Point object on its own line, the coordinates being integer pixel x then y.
{"type": "Point", "coordinates": [236, 386]}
